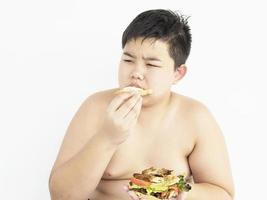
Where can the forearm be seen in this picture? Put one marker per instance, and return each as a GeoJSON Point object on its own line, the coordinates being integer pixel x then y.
{"type": "Point", "coordinates": [79, 177]}
{"type": "Point", "coordinates": [205, 191]}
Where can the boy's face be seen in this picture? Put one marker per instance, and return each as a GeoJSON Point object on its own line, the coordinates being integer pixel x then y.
{"type": "Point", "coordinates": [149, 66]}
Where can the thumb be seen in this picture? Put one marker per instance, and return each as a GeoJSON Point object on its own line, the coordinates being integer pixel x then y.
{"type": "Point", "coordinates": [182, 196]}
{"type": "Point", "coordinates": [126, 188]}
{"type": "Point", "coordinates": [130, 193]}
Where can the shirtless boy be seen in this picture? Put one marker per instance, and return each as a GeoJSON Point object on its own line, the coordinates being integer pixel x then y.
{"type": "Point", "coordinates": [115, 135]}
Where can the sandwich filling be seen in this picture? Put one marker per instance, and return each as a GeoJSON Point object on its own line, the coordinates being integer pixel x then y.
{"type": "Point", "coordinates": [159, 183]}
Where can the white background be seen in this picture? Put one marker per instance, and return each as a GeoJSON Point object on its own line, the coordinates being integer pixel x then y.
{"type": "Point", "coordinates": [54, 54]}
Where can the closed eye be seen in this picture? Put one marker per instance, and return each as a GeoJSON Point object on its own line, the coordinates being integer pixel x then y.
{"type": "Point", "coordinates": [130, 61]}
{"type": "Point", "coordinates": [127, 60]}
{"type": "Point", "coordinates": [152, 65]}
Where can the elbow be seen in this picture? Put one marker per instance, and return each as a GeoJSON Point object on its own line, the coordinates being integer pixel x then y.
{"type": "Point", "coordinates": [60, 192]}
{"type": "Point", "coordinates": [57, 192]}
{"type": "Point", "coordinates": [226, 193]}
{"type": "Point", "coordinates": [230, 194]}
{"type": "Point", "coordinates": [54, 190]}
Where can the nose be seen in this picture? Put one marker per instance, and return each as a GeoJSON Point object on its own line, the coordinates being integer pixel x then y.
{"type": "Point", "coordinates": [138, 73]}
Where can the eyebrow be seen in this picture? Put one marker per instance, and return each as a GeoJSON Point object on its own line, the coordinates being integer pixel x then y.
{"type": "Point", "coordinates": [147, 58]}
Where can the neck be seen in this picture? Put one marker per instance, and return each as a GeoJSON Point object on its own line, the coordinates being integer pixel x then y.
{"type": "Point", "coordinates": [151, 115]}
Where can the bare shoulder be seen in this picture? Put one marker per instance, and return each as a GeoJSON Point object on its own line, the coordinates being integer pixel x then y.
{"type": "Point", "coordinates": [198, 114]}
{"type": "Point", "coordinates": [100, 99]}
{"type": "Point", "coordinates": [192, 107]}
{"type": "Point", "coordinates": [83, 126]}
{"type": "Point", "coordinates": [94, 105]}
{"type": "Point", "coordinates": [203, 118]}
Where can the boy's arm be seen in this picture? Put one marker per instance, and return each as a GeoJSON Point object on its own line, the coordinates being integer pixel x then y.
{"type": "Point", "coordinates": [77, 170]}
{"type": "Point", "coordinates": [209, 160]}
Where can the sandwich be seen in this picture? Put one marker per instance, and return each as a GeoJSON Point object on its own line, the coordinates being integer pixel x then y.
{"type": "Point", "coordinates": [141, 91]}
{"type": "Point", "coordinates": [155, 184]}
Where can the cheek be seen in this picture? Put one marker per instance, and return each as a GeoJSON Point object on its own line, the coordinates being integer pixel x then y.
{"type": "Point", "coordinates": [159, 80]}
{"type": "Point", "coordinates": [123, 75]}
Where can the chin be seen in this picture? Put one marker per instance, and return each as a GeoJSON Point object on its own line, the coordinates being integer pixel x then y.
{"type": "Point", "coordinates": [154, 99]}
{"type": "Point", "coordinates": [148, 101]}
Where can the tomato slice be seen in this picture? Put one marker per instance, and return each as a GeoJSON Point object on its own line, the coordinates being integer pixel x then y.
{"type": "Point", "coordinates": [140, 182]}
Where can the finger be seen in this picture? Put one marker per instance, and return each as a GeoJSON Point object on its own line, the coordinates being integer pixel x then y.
{"type": "Point", "coordinates": [118, 100]}
{"type": "Point", "coordinates": [134, 113]}
{"type": "Point", "coordinates": [126, 188]}
{"type": "Point", "coordinates": [182, 196]}
{"type": "Point", "coordinates": [133, 195]}
{"type": "Point", "coordinates": [126, 107]}
{"type": "Point", "coordinates": [130, 193]}
{"type": "Point", "coordinates": [135, 109]}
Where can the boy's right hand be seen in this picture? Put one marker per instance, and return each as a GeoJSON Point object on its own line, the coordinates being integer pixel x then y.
{"type": "Point", "coordinates": [121, 116]}
{"type": "Point", "coordinates": [133, 196]}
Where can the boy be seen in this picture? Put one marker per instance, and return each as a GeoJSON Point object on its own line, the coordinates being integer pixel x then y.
{"type": "Point", "coordinates": [114, 135]}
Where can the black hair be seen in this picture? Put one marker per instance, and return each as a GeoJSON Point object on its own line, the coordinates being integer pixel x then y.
{"type": "Point", "coordinates": [164, 25]}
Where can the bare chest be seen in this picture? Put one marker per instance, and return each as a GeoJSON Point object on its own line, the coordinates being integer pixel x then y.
{"type": "Point", "coordinates": [163, 148]}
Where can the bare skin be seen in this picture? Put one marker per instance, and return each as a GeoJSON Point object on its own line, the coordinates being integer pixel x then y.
{"type": "Point", "coordinates": [113, 136]}
{"type": "Point", "coordinates": [166, 141]}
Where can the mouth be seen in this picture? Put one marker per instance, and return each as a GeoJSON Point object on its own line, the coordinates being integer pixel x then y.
{"type": "Point", "coordinates": [136, 85]}
{"type": "Point", "coordinates": [137, 88]}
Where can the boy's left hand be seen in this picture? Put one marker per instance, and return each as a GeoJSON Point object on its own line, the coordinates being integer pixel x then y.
{"type": "Point", "coordinates": [132, 195]}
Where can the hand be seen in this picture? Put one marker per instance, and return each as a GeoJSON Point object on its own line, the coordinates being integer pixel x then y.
{"type": "Point", "coordinates": [133, 196]}
{"type": "Point", "coordinates": [121, 116]}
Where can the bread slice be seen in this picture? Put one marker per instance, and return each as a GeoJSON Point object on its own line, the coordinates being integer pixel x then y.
{"type": "Point", "coordinates": [141, 91]}
{"type": "Point", "coordinates": [147, 197]}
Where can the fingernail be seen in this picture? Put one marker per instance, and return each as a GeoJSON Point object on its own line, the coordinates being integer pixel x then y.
{"type": "Point", "coordinates": [125, 188]}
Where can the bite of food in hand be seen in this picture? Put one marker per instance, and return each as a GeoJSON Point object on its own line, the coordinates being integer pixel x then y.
{"type": "Point", "coordinates": [141, 91]}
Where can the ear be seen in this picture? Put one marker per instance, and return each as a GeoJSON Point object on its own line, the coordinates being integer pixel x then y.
{"type": "Point", "coordinates": [179, 73]}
